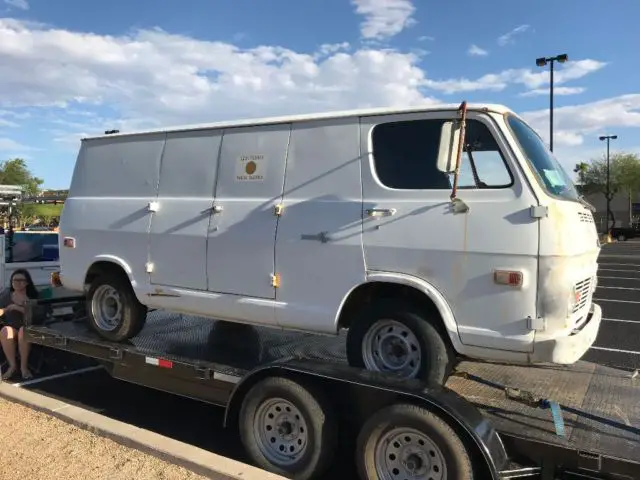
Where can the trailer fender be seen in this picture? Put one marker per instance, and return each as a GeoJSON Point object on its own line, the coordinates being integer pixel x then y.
{"type": "Point", "coordinates": [363, 392]}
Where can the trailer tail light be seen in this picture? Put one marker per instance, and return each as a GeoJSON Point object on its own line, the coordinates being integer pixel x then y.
{"type": "Point", "coordinates": [69, 242]}
{"type": "Point", "coordinates": [56, 281]}
{"type": "Point", "coordinates": [511, 278]}
{"type": "Point", "coordinates": [158, 362]}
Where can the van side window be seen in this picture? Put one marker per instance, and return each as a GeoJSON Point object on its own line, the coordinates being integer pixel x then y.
{"type": "Point", "coordinates": [405, 157]}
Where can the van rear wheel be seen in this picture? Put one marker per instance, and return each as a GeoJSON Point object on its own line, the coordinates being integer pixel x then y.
{"type": "Point", "coordinates": [395, 337]}
{"type": "Point", "coordinates": [113, 311]}
{"type": "Point", "coordinates": [288, 429]}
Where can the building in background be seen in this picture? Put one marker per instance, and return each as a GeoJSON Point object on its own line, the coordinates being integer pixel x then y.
{"type": "Point", "coordinates": [625, 211]}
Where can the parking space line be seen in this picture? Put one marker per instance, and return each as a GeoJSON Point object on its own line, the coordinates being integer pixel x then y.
{"type": "Point", "coordinates": [630, 352]}
{"type": "Point", "coordinates": [616, 270]}
{"type": "Point", "coordinates": [57, 375]}
{"type": "Point", "coordinates": [611, 300]}
{"type": "Point", "coordinates": [620, 320]}
{"type": "Point", "coordinates": [620, 278]}
{"type": "Point", "coordinates": [624, 264]}
{"type": "Point", "coordinates": [619, 288]}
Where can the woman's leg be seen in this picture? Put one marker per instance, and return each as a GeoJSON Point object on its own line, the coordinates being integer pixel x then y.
{"type": "Point", "coordinates": [25, 348]}
{"type": "Point", "coordinates": [8, 340]}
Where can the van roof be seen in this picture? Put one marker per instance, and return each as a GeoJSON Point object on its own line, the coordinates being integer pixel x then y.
{"type": "Point", "coordinates": [497, 108]}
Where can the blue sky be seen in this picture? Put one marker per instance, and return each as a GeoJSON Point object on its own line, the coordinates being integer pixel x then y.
{"type": "Point", "coordinates": [70, 68]}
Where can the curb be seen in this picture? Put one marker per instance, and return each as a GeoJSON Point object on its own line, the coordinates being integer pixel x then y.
{"type": "Point", "coordinates": [200, 461]}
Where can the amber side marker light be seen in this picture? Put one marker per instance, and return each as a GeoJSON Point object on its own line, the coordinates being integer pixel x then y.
{"type": "Point", "coordinates": [508, 277]}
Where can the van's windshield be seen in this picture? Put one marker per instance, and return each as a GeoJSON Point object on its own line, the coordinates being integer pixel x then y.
{"type": "Point", "coordinates": [551, 174]}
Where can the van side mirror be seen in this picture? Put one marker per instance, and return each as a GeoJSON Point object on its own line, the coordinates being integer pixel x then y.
{"type": "Point", "coordinates": [448, 149]}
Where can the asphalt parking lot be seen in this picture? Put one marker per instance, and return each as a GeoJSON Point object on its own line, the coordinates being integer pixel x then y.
{"type": "Point", "coordinates": [618, 293]}
{"type": "Point", "coordinates": [78, 381]}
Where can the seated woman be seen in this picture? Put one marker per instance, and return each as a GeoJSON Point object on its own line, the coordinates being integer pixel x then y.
{"type": "Point", "coordinates": [12, 310]}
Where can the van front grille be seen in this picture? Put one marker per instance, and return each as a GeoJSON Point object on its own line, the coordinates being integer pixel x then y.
{"type": "Point", "coordinates": [585, 217]}
{"type": "Point", "coordinates": [583, 294]}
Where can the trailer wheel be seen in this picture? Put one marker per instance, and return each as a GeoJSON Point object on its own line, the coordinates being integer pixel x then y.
{"type": "Point", "coordinates": [288, 429]}
{"type": "Point", "coordinates": [113, 309]}
{"type": "Point", "coordinates": [392, 336]}
{"type": "Point", "coordinates": [407, 441]}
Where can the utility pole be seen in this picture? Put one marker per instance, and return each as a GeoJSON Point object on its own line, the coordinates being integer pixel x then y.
{"type": "Point", "coordinates": [541, 62]}
{"type": "Point", "coordinates": [608, 138]}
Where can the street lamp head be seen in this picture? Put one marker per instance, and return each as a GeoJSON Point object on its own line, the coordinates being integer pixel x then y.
{"type": "Point", "coordinates": [562, 58]}
{"type": "Point", "coordinates": [614, 137]}
{"type": "Point", "coordinates": [610, 137]}
{"type": "Point", "coordinates": [602, 137]}
{"type": "Point", "coordinates": [541, 62]}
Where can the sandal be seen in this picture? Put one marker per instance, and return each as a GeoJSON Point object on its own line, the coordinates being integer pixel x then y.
{"type": "Point", "coordinates": [27, 375]}
{"type": "Point", "coordinates": [9, 374]}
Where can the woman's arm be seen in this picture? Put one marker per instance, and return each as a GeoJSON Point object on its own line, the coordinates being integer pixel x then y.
{"type": "Point", "coordinates": [5, 300]}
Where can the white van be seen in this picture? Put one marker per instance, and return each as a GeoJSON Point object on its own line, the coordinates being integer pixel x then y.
{"type": "Point", "coordinates": [337, 221]}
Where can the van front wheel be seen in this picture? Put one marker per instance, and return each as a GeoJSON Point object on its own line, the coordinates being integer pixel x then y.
{"type": "Point", "coordinates": [393, 337]}
{"type": "Point", "coordinates": [113, 311]}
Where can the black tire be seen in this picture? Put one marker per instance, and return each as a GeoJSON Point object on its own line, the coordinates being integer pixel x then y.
{"type": "Point", "coordinates": [133, 316]}
{"type": "Point", "coordinates": [450, 453]}
{"type": "Point", "coordinates": [315, 409]}
{"type": "Point", "coordinates": [436, 356]}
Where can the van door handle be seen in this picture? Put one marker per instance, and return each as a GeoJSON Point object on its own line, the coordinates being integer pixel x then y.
{"type": "Point", "coordinates": [213, 209]}
{"type": "Point", "coordinates": [381, 212]}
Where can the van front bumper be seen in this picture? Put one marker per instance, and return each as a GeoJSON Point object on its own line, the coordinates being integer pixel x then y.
{"type": "Point", "coordinates": [569, 349]}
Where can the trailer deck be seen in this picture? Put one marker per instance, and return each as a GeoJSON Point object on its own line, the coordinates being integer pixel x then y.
{"type": "Point", "coordinates": [600, 420]}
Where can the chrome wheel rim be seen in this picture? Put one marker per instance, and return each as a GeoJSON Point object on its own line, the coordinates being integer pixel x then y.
{"type": "Point", "coordinates": [106, 308]}
{"type": "Point", "coordinates": [406, 453]}
{"type": "Point", "coordinates": [280, 431]}
{"type": "Point", "coordinates": [390, 346]}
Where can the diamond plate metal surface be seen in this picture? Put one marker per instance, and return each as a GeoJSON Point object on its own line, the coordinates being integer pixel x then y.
{"type": "Point", "coordinates": [601, 405]}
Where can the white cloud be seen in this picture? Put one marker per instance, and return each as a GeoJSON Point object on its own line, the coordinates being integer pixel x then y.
{"type": "Point", "coordinates": [169, 78]}
{"type": "Point", "coordinates": [384, 18]}
{"type": "Point", "coordinates": [573, 123]}
{"type": "Point", "coordinates": [7, 123]}
{"type": "Point", "coordinates": [151, 78]}
{"type": "Point", "coordinates": [425, 38]}
{"type": "Point", "coordinates": [475, 50]}
{"type": "Point", "coordinates": [331, 48]}
{"type": "Point", "coordinates": [529, 78]}
{"type": "Point", "coordinates": [9, 145]}
{"type": "Point", "coordinates": [21, 4]}
{"type": "Point", "coordinates": [508, 37]}
{"type": "Point", "coordinates": [556, 91]}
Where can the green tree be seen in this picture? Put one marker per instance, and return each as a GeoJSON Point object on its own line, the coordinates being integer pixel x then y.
{"type": "Point", "coordinates": [624, 177]}
{"type": "Point", "coordinates": [16, 172]}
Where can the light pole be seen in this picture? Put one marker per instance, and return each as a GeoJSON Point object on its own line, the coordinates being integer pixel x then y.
{"type": "Point", "coordinates": [541, 62]}
{"type": "Point", "coordinates": [608, 138]}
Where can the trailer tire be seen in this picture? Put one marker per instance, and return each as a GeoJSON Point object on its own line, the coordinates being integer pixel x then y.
{"type": "Point", "coordinates": [306, 428]}
{"type": "Point", "coordinates": [421, 346]}
{"type": "Point", "coordinates": [403, 437]}
{"type": "Point", "coordinates": [108, 291]}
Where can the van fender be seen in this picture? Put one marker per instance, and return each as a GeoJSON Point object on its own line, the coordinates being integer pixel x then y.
{"type": "Point", "coordinates": [117, 261]}
{"type": "Point", "coordinates": [446, 313]}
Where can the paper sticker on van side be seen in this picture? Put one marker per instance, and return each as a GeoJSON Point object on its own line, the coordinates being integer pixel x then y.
{"type": "Point", "coordinates": [250, 168]}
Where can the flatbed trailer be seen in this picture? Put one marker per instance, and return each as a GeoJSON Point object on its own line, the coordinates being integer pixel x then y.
{"type": "Point", "coordinates": [581, 421]}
